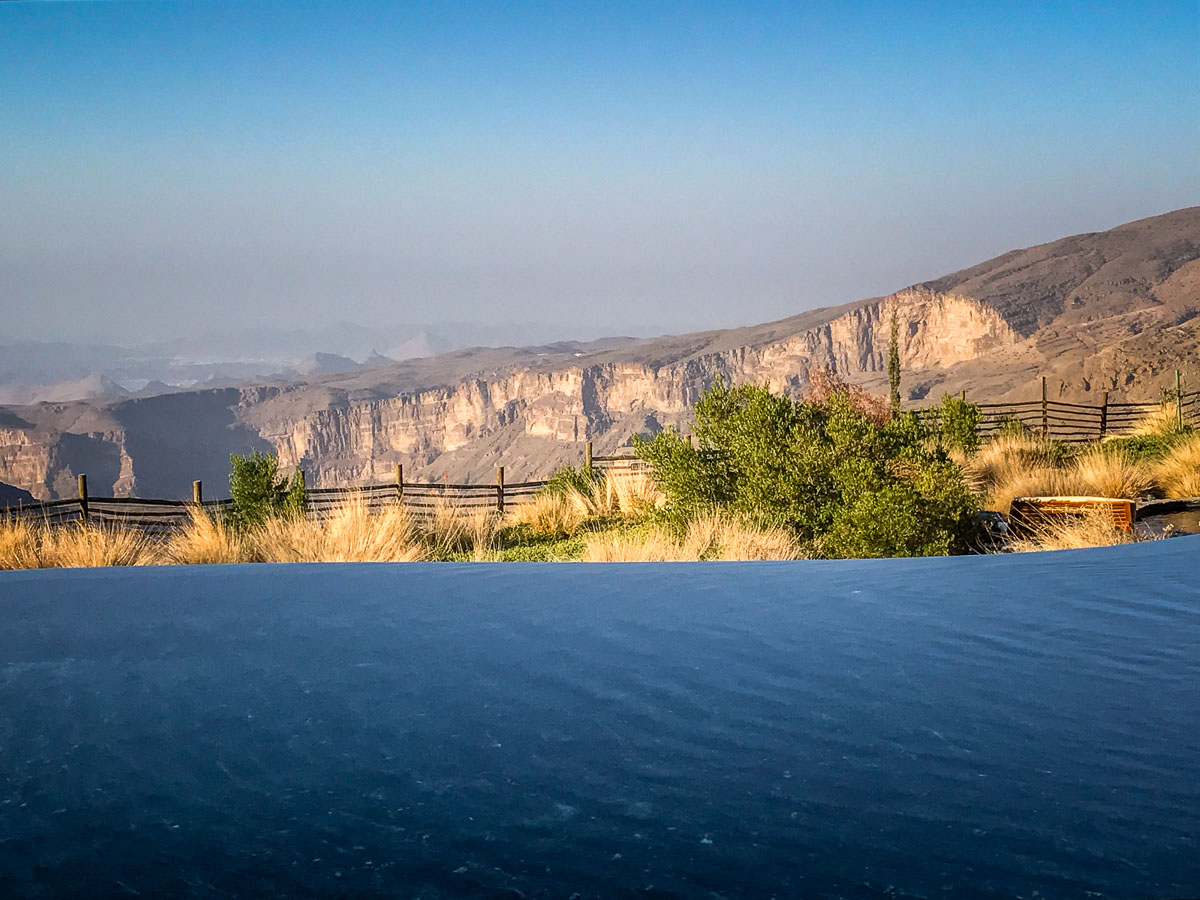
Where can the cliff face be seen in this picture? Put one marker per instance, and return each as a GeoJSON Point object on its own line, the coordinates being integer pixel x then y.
{"type": "Point", "coordinates": [1118, 310]}
{"type": "Point", "coordinates": [598, 401]}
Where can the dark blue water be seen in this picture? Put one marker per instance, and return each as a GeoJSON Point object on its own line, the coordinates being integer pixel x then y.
{"type": "Point", "coordinates": [1021, 726]}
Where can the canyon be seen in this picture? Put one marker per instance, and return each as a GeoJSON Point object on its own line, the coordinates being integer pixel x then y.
{"type": "Point", "coordinates": [1114, 311]}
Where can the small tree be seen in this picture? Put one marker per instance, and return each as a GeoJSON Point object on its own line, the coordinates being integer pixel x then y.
{"type": "Point", "coordinates": [958, 423]}
{"type": "Point", "coordinates": [894, 365]}
{"type": "Point", "coordinates": [258, 491]}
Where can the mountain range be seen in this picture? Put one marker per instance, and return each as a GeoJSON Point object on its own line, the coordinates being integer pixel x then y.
{"type": "Point", "coordinates": [1115, 311]}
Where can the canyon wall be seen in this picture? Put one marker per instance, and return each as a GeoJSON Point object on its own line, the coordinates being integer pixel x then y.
{"type": "Point", "coordinates": [523, 418]}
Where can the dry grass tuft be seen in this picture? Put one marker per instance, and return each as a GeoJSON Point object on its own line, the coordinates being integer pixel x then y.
{"type": "Point", "coordinates": [453, 529]}
{"type": "Point", "coordinates": [1163, 420]}
{"type": "Point", "coordinates": [551, 515]}
{"type": "Point", "coordinates": [712, 536]}
{"type": "Point", "coordinates": [1178, 473]}
{"type": "Point", "coordinates": [625, 494]}
{"type": "Point", "coordinates": [565, 514]}
{"type": "Point", "coordinates": [18, 545]}
{"type": "Point", "coordinates": [1094, 528]}
{"type": "Point", "coordinates": [1023, 465]}
{"type": "Point", "coordinates": [652, 546]}
{"type": "Point", "coordinates": [352, 533]}
{"type": "Point", "coordinates": [1009, 456]}
{"type": "Point", "coordinates": [630, 493]}
{"type": "Point", "coordinates": [1112, 474]}
{"type": "Point", "coordinates": [722, 537]}
{"type": "Point", "coordinates": [1042, 482]}
{"type": "Point", "coordinates": [205, 540]}
{"type": "Point", "coordinates": [87, 546]}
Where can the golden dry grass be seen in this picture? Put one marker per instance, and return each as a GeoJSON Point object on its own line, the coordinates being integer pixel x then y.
{"type": "Point", "coordinates": [1007, 457]}
{"type": "Point", "coordinates": [711, 536]}
{"type": "Point", "coordinates": [1162, 420]}
{"type": "Point", "coordinates": [1178, 473]}
{"type": "Point", "coordinates": [451, 529]}
{"type": "Point", "coordinates": [550, 515]}
{"type": "Point", "coordinates": [205, 540]}
{"type": "Point", "coordinates": [351, 533]}
{"type": "Point", "coordinates": [1112, 474]}
{"type": "Point", "coordinates": [1022, 465]}
{"type": "Point", "coordinates": [1040, 482]}
{"type": "Point", "coordinates": [724, 537]}
{"type": "Point", "coordinates": [566, 514]}
{"type": "Point", "coordinates": [1094, 528]}
{"type": "Point", "coordinates": [651, 546]}
{"type": "Point", "coordinates": [629, 493]}
{"type": "Point", "coordinates": [18, 545]}
{"type": "Point", "coordinates": [88, 546]}
{"type": "Point", "coordinates": [33, 546]}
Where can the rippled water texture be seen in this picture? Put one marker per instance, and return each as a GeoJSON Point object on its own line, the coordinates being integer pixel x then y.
{"type": "Point", "coordinates": [1006, 726]}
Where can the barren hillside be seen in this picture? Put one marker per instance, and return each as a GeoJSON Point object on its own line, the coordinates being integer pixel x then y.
{"type": "Point", "coordinates": [1115, 310]}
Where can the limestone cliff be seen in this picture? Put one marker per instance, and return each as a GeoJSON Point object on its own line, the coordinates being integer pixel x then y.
{"type": "Point", "coordinates": [1111, 311]}
{"type": "Point", "coordinates": [598, 401]}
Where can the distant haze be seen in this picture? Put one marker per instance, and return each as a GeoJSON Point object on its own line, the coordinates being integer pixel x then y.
{"type": "Point", "coordinates": [599, 168]}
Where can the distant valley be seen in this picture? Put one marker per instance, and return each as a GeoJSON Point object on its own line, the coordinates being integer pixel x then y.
{"type": "Point", "coordinates": [1111, 311]}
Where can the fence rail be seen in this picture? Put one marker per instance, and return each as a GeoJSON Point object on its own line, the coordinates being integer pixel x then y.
{"type": "Point", "coordinates": [1058, 419]}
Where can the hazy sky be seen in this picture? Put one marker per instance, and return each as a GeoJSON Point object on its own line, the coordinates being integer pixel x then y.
{"type": "Point", "coordinates": [650, 166]}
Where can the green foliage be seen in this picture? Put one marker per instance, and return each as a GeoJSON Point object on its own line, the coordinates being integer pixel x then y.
{"type": "Point", "coordinates": [1010, 425]}
{"type": "Point", "coordinates": [894, 365]}
{"type": "Point", "coordinates": [568, 477]}
{"type": "Point", "coordinates": [958, 423]}
{"type": "Point", "coordinates": [1143, 447]}
{"type": "Point", "coordinates": [295, 501]}
{"type": "Point", "coordinates": [259, 492]}
{"type": "Point", "coordinates": [847, 486]}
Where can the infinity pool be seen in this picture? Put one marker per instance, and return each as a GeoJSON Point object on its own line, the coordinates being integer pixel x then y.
{"type": "Point", "coordinates": [1013, 726]}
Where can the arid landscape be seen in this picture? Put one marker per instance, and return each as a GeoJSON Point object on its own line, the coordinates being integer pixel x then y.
{"type": "Point", "coordinates": [1115, 311]}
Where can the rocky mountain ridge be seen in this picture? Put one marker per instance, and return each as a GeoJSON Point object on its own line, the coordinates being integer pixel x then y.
{"type": "Point", "coordinates": [1115, 310]}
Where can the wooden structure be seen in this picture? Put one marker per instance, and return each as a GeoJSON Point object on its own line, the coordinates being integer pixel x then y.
{"type": "Point", "coordinates": [1029, 513]}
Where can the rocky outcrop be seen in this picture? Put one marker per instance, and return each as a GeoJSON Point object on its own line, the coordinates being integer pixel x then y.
{"type": "Point", "coordinates": [1110, 311]}
{"type": "Point", "coordinates": [523, 415]}
{"type": "Point", "coordinates": [587, 402]}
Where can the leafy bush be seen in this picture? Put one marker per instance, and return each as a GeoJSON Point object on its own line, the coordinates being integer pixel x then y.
{"type": "Point", "coordinates": [843, 483]}
{"type": "Point", "coordinates": [958, 423]}
{"type": "Point", "coordinates": [259, 492]}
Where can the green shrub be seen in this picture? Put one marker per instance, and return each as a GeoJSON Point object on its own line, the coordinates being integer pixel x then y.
{"type": "Point", "coordinates": [259, 492]}
{"type": "Point", "coordinates": [844, 484]}
{"type": "Point", "coordinates": [958, 423]}
{"type": "Point", "coordinates": [1142, 447]}
{"type": "Point", "coordinates": [567, 478]}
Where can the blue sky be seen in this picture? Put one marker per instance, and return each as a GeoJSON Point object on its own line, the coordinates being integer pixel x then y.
{"type": "Point", "coordinates": [613, 167]}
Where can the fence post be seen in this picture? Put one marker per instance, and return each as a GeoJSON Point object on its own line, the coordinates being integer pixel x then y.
{"type": "Point", "coordinates": [197, 492]}
{"type": "Point", "coordinates": [83, 495]}
{"type": "Point", "coordinates": [1179, 399]}
{"type": "Point", "coordinates": [587, 457]}
{"type": "Point", "coordinates": [1045, 410]}
{"type": "Point", "coordinates": [1104, 416]}
{"type": "Point", "coordinates": [500, 489]}
{"type": "Point", "coordinates": [400, 483]}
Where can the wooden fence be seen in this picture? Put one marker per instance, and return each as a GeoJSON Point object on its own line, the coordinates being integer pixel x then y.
{"type": "Point", "coordinates": [1074, 422]}
{"type": "Point", "coordinates": [1081, 422]}
{"type": "Point", "coordinates": [422, 498]}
